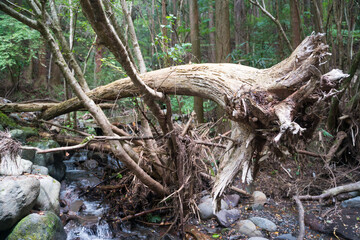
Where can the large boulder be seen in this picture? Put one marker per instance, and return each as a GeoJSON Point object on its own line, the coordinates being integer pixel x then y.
{"type": "Point", "coordinates": [17, 198]}
{"type": "Point", "coordinates": [14, 165]}
{"type": "Point", "coordinates": [48, 199]}
{"type": "Point", "coordinates": [23, 133]}
{"type": "Point", "coordinates": [44, 226]}
{"type": "Point", "coordinates": [52, 161]}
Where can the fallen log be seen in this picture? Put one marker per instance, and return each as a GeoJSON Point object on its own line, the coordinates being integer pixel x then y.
{"type": "Point", "coordinates": [253, 99]}
{"type": "Point", "coordinates": [37, 106]}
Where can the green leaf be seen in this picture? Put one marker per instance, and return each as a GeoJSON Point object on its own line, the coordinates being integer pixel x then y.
{"type": "Point", "coordinates": [215, 235]}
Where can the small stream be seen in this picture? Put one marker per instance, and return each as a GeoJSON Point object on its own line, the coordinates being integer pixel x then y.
{"type": "Point", "coordinates": [85, 214]}
{"type": "Point", "coordinates": [88, 224]}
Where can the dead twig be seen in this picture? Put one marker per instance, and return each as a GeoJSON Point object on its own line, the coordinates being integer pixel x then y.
{"type": "Point", "coordinates": [301, 218]}
{"type": "Point", "coordinates": [210, 144]}
{"type": "Point", "coordinates": [143, 213]}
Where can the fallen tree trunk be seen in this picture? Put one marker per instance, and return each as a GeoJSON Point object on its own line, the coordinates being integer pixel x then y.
{"type": "Point", "coordinates": [216, 82]}
{"type": "Point", "coordinates": [40, 106]}
{"type": "Point", "coordinates": [253, 98]}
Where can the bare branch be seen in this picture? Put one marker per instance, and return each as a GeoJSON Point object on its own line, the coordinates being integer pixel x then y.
{"type": "Point", "coordinates": [18, 16]}
{"type": "Point", "coordinates": [276, 21]}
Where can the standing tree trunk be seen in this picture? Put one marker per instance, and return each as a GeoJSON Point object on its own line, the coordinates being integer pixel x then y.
{"type": "Point", "coordinates": [222, 31]}
{"type": "Point", "coordinates": [195, 43]}
{"type": "Point", "coordinates": [99, 50]}
{"type": "Point", "coordinates": [212, 49]}
{"type": "Point", "coordinates": [133, 37]}
{"type": "Point", "coordinates": [295, 23]}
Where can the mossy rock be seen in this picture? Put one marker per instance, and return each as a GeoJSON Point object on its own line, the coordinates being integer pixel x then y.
{"type": "Point", "coordinates": [7, 122]}
{"type": "Point", "coordinates": [46, 226]}
{"type": "Point", "coordinates": [1, 128]}
{"type": "Point", "coordinates": [30, 132]}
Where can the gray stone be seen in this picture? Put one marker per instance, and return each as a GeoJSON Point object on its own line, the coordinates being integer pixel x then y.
{"type": "Point", "coordinates": [47, 158]}
{"type": "Point", "coordinates": [264, 223]}
{"type": "Point", "coordinates": [227, 217]}
{"type": "Point", "coordinates": [46, 226]}
{"type": "Point", "coordinates": [91, 164]}
{"type": "Point", "coordinates": [248, 228]}
{"type": "Point", "coordinates": [285, 237]}
{"type": "Point", "coordinates": [207, 209]}
{"type": "Point", "coordinates": [257, 238]}
{"type": "Point", "coordinates": [57, 170]}
{"type": "Point", "coordinates": [40, 170]}
{"type": "Point", "coordinates": [76, 205]}
{"type": "Point", "coordinates": [351, 203]}
{"type": "Point", "coordinates": [259, 199]}
{"type": "Point", "coordinates": [232, 200]}
{"type": "Point", "coordinates": [17, 198]}
{"type": "Point", "coordinates": [28, 154]}
{"type": "Point", "coordinates": [18, 134]}
{"type": "Point", "coordinates": [48, 199]}
{"type": "Point", "coordinates": [14, 165]}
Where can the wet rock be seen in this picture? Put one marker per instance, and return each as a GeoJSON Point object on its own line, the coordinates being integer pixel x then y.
{"type": "Point", "coordinates": [264, 223]}
{"type": "Point", "coordinates": [248, 228]}
{"type": "Point", "coordinates": [48, 199]}
{"type": "Point", "coordinates": [17, 197]}
{"type": "Point", "coordinates": [227, 217]}
{"type": "Point", "coordinates": [18, 134]}
{"type": "Point", "coordinates": [23, 133]}
{"type": "Point", "coordinates": [76, 205]}
{"type": "Point", "coordinates": [40, 170]}
{"type": "Point", "coordinates": [351, 203]}
{"type": "Point", "coordinates": [14, 165]}
{"type": "Point", "coordinates": [206, 207]}
{"type": "Point", "coordinates": [57, 170]}
{"type": "Point", "coordinates": [232, 200]}
{"type": "Point", "coordinates": [45, 226]}
{"type": "Point", "coordinates": [285, 237]}
{"type": "Point", "coordinates": [259, 199]}
{"type": "Point", "coordinates": [91, 164]}
{"type": "Point", "coordinates": [257, 238]}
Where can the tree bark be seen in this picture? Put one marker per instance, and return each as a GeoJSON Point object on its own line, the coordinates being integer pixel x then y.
{"type": "Point", "coordinates": [195, 43]}
{"type": "Point", "coordinates": [212, 38]}
{"type": "Point", "coordinates": [295, 23]}
{"type": "Point", "coordinates": [222, 31]}
{"type": "Point", "coordinates": [133, 37]}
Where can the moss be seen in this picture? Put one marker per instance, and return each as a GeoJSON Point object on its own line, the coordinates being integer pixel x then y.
{"type": "Point", "coordinates": [7, 122]}
{"type": "Point", "coordinates": [40, 227]}
{"type": "Point", "coordinates": [30, 132]}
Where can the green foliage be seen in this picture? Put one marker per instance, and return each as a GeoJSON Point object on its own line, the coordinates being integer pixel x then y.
{"type": "Point", "coordinates": [18, 43]}
{"type": "Point", "coordinates": [153, 218]}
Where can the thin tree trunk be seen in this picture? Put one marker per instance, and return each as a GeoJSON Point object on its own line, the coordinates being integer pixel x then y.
{"type": "Point", "coordinates": [222, 31]}
{"type": "Point", "coordinates": [212, 38]}
{"type": "Point", "coordinates": [295, 23]}
{"type": "Point", "coordinates": [133, 37]}
{"type": "Point", "coordinates": [195, 43]}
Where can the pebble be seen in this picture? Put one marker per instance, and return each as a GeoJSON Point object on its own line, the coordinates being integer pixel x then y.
{"type": "Point", "coordinates": [248, 228]}
{"type": "Point", "coordinates": [259, 199]}
{"type": "Point", "coordinates": [285, 237]}
{"type": "Point", "coordinates": [206, 208]}
{"type": "Point", "coordinates": [227, 217]}
{"type": "Point", "coordinates": [351, 203]}
{"type": "Point", "coordinates": [264, 223]}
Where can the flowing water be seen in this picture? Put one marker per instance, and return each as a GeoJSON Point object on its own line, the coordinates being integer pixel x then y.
{"type": "Point", "coordinates": [86, 214]}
